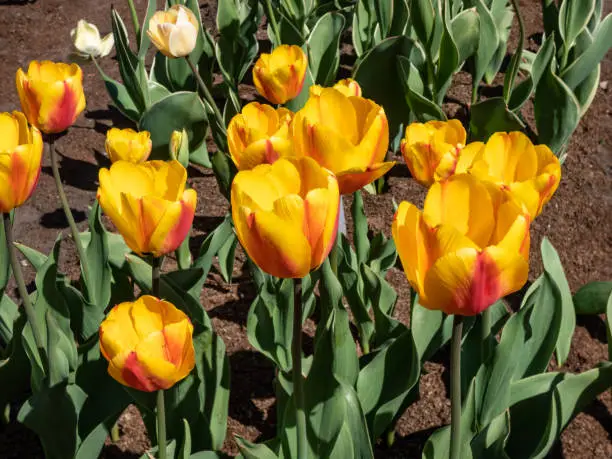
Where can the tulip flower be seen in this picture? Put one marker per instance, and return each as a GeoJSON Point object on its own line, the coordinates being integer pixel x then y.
{"type": "Point", "coordinates": [279, 76]}
{"type": "Point", "coordinates": [286, 215]}
{"type": "Point", "coordinates": [87, 40]}
{"type": "Point", "coordinates": [174, 32]}
{"type": "Point", "coordinates": [148, 344]}
{"type": "Point", "coordinates": [347, 135]}
{"type": "Point", "coordinates": [347, 86]}
{"type": "Point", "coordinates": [21, 150]}
{"type": "Point", "coordinates": [468, 248]}
{"type": "Point", "coordinates": [51, 95]}
{"type": "Point", "coordinates": [531, 174]}
{"type": "Point", "coordinates": [259, 134]}
{"type": "Point", "coordinates": [431, 150]}
{"type": "Point", "coordinates": [148, 203]}
{"type": "Point", "coordinates": [128, 145]}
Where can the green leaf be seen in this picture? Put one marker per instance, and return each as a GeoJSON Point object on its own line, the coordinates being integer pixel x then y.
{"type": "Point", "coordinates": [324, 52]}
{"type": "Point", "coordinates": [180, 110]}
{"type": "Point", "coordinates": [225, 171]}
{"type": "Point", "coordinates": [552, 266]}
{"type": "Point", "coordinates": [573, 18]}
{"type": "Point", "coordinates": [581, 68]}
{"type": "Point", "coordinates": [226, 257]}
{"type": "Point", "coordinates": [423, 16]}
{"type": "Point", "coordinates": [5, 264]}
{"type": "Point", "coordinates": [360, 224]}
{"type": "Point", "coordinates": [465, 28]}
{"type": "Point", "coordinates": [14, 363]}
{"type": "Point", "coordinates": [448, 62]}
{"type": "Point", "coordinates": [185, 450]}
{"type": "Point", "coordinates": [414, 88]}
{"type": "Point", "coordinates": [9, 312]}
{"type": "Point", "coordinates": [491, 440]}
{"type": "Point", "coordinates": [213, 244]}
{"type": "Point", "coordinates": [254, 451]}
{"type": "Point", "coordinates": [145, 41]}
{"type": "Point", "coordinates": [491, 116]}
{"type": "Point", "coordinates": [425, 326]}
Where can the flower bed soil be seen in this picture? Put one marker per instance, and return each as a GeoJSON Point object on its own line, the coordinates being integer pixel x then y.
{"type": "Point", "coordinates": [578, 222]}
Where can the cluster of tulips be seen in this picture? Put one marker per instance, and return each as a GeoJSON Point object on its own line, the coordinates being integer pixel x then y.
{"type": "Point", "coordinates": [466, 249]}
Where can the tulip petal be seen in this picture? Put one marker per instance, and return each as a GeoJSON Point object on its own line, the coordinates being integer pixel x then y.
{"type": "Point", "coordinates": [174, 226]}
{"type": "Point", "coordinates": [354, 179]}
{"type": "Point", "coordinates": [321, 215]}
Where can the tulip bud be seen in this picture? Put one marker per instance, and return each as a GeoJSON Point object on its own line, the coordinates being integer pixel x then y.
{"type": "Point", "coordinates": [174, 32]}
{"type": "Point", "coordinates": [286, 215]}
{"type": "Point", "coordinates": [21, 149]}
{"type": "Point", "coordinates": [259, 134]}
{"type": "Point", "coordinates": [51, 95]}
{"type": "Point", "coordinates": [148, 344]}
{"type": "Point", "coordinates": [347, 135]}
{"type": "Point", "coordinates": [467, 249]}
{"type": "Point", "coordinates": [279, 76]}
{"type": "Point", "coordinates": [179, 147]}
{"type": "Point", "coordinates": [128, 145]}
{"type": "Point", "coordinates": [87, 41]}
{"type": "Point", "coordinates": [148, 203]}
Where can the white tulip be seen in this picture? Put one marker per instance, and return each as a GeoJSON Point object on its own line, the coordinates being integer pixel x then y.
{"type": "Point", "coordinates": [87, 41]}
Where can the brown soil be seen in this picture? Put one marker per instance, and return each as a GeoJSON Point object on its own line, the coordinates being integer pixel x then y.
{"type": "Point", "coordinates": [577, 222]}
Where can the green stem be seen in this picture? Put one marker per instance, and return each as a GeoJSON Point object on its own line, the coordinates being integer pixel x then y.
{"type": "Point", "coordinates": [273, 23]}
{"type": "Point", "coordinates": [207, 95]}
{"type": "Point", "coordinates": [298, 380]}
{"type": "Point", "coordinates": [21, 286]}
{"type": "Point", "coordinates": [455, 364]}
{"type": "Point", "coordinates": [64, 200]}
{"type": "Point", "coordinates": [156, 275]}
{"type": "Point", "coordinates": [135, 21]}
{"type": "Point", "coordinates": [161, 425]}
{"type": "Point", "coordinates": [485, 331]}
{"type": "Point", "coordinates": [519, 51]}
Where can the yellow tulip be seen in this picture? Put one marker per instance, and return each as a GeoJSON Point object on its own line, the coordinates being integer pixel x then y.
{"type": "Point", "coordinates": [279, 76]}
{"type": "Point", "coordinates": [21, 150]}
{"type": "Point", "coordinates": [51, 95]}
{"type": "Point", "coordinates": [531, 174]}
{"type": "Point", "coordinates": [347, 135]}
{"type": "Point", "coordinates": [286, 215]}
{"type": "Point", "coordinates": [174, 32]}
{"type": "Point", "coordinates": [468, 248]}
{"type": "Point", "coordinates": [258, 135]}
{"type": "Point", "coordinates": [148, 344]}
{"type": "Point", "coordinates": [431, 150]}
{"type": "Point", "coordinates": [128, 145]}
{"type": "Point", "coordinates": [348, 87]}
{"type": "Point", "coordinates": [148, 204]}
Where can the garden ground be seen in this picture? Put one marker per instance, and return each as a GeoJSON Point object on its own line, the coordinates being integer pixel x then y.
{"type": "Point", "coordinates": [578, 222]}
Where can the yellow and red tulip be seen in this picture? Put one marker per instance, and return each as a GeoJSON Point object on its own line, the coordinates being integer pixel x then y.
{"type": "Point", "coordinates": [174, 32]}
{"type": "Point", "coordinates": [347, 135]}
{"type": "Point", "coordinates": [128, 145]}
{"type": "Point", "coordinates": [467, 249]}
{"type": "Point", "coordinates": [286, 215]}
{"type": "Point", "coordinates": [148, 344]}
{"type": "Point", "coordinates": [431, 150]}
{"type": "Point", "coordinates": [51, 95]}
{"type": "Point", "coordinates": [279, 76]}
{"type": "Point", "coordinates": [530, 173]}
{"type": "Point", "coordinates": [148, 203]}
{"type": "Point", "coordinates": [21, 150]}
{"type": "Point", "coordinates": [347, 86]}
{"type": "Point", "coordinates": [259, 134]}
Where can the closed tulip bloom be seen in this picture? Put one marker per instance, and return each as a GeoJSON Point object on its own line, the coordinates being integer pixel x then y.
{"type": "Point", "coordinates": [467, 249]}
{"type": "Point", "coordinates": [174, 32]}
{"type": "Point", "coordinates": [530, 173]}
{"type": "Point", "coordinates": [279, 76]}
{"type": "Point", "coordinates": [347, 135]}
{"type": "Point", "coordinates": [128, 145]}
{"type": "Point", "coordinates": [148, 203]}
{"type": "Point", "coordinates": [286, 215]}
{"type": "Point", "coordinates": [51, 95]}
{"type": "Point", "coordinates": [259, 134]}
{"type": "Point", "coordinates": [431, 150]}
{"type": "Point", "coordinates": [87, 40]}
{"type": "Point", "coordinates": [148, 344]}
{"type": "Point", "coordinates": [21, 150]}
{"type": "Point", "coordinates": [347, 86]}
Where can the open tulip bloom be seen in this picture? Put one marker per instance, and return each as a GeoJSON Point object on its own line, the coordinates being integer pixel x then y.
{"type": "Point", "coordinates": [21, 149]}
{"type": "Point", "coordinates": [286, 215]}
{"type": "Point", "coordinates": [51, 95]}
{"type": "Point", "coordinates": [347, 135]}
{"type": "Point", "coordinates": [467, 249]}
{"type": "Point", "coordinates": [148, 203]}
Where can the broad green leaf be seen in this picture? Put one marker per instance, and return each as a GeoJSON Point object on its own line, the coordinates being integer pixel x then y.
{"type": "Point", "coordinates": [425, 326]}
{"type": "Point", "coordinates": [585, 92]}
{"type": "Point", "coordinates": [491, 440]}
{"type": "Point", "coordinates": [360, 228]}
{"type": "Point", "coordinates": [145, 41]}
{"type": "Point", "coordinates": [254, 451]}
{"type": "Point", "coordinates": [384, 15]}
{"type": "Point", "coordinates": [592, 298]}
{"type": "Point", "coordinates": [324, 53]}
{"type": "Point", "coordinates": [213, 244]}
{"type": "Point", "coordinates": [225, 170]}
{"type": "Point", "coordinates": [465, 28]}
{"type": "Point", "coordinates": [491, 116]}
{"type": "Point", "coordinates": [9, 312]}
{"type": "Point", "coordinates": [420, 106]}
{"type": "Point", "coordinates": [14, 363]}
{"type": "Point", "coordinates": [448, 62]}
{"type": "Point", "coordinates": [573, 18]}
{"type": "Point", "coordinates": [120, 97]}
{"type": "Point", "coordinates": [487, 43]}
{"type": "Point", "coordinates": [423, 16]}
{"type": "Point", "coordinates": [226, 257]}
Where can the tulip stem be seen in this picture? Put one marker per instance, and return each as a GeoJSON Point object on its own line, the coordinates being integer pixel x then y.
{"type": "Point", "coordinates": [156, 275]}
{"type": "Point", "coordinates": [64, 200]}
{"type": "Point", "coordinates": [519, 51]}
{"type": "Point", "coordinates": [455, 364]}
{"type": "Point", "coordinates": [485, 331]}
{"type": "Point", "coordinates": [207, 95]}
{"type": "Point", "coordinates": [161, 425]}
{"type": "Point", "coordinates": [273, 23]}
{"type": "Point", "coordinates": [298, 380]}
{"type": "Point", "coordinates": [21, 286]}
{"type": "Point", "coordinates": [135, 21]}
